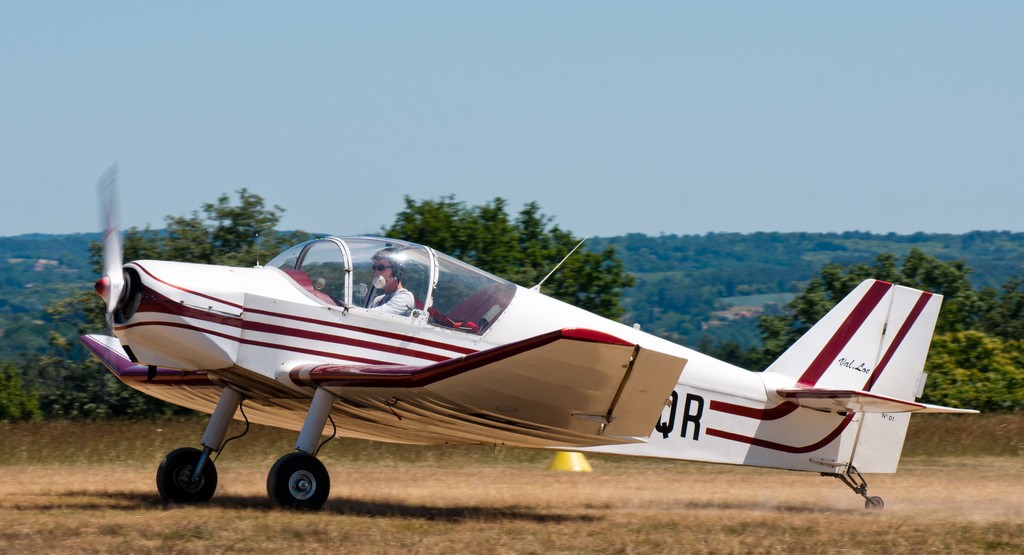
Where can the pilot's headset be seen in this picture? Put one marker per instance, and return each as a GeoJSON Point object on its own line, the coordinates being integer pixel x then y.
{"type": "Point", "coordinates": [394, 257]}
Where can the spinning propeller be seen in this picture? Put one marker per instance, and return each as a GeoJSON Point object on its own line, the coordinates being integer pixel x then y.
{"type": "Point", "coordinates": [111, 285]}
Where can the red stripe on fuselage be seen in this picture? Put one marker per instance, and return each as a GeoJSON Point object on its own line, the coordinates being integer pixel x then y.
{"type": "Point", "coordinates": [368, 331]}
{"type": "Point", "coordinates": [189, 291]}
{"type": "Point", "coordinates": [340, 340]}
{"type": "Point", "coordinates": [278, 346]}
{"type": "Point", "coordinates": [154, 302]}
{"type": "Point", "coordinates": [774, 413]}
{"type": "Point", "coordinates": [758, 442]}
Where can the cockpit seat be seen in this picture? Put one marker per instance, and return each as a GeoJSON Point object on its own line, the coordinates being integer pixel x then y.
{"type": "Point", "coordinates": [480, 309]}
{"type": "Point", "coordinates": [302, 279]}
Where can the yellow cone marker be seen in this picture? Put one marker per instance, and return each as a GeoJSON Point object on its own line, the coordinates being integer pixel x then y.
{"type": "Point", "coordinates": [569, 461]}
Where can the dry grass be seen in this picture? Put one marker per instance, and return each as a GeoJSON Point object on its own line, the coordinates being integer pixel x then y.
{"type": "Point", "coordinates": [89, 488]}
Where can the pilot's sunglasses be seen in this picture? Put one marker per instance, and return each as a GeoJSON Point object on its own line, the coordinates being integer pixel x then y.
{"type": "Point", "coordinates": [381, 267]}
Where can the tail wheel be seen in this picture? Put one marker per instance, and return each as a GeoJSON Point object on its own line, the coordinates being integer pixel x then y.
{"type": "Point", "coordinates": [874, 503]}
{"type": "Point", "coordinates": [176, 480]}
{"type": "Point", "coordinates": [299, 481]}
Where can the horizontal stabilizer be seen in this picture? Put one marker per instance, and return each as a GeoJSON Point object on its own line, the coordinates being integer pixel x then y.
{"type": "Point", "coordinates": [841, 400]}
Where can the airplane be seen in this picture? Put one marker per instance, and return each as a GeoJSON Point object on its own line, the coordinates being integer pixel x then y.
{"type": "Point", "coordinates": [475, 359]}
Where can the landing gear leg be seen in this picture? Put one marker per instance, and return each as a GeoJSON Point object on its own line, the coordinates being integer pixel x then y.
{"type": "Point", "coordinates": [299, 480]}
{"type": "Point", "coordinates": [187, 475]}
{"type": "Point", "coordinates": [855, 481]}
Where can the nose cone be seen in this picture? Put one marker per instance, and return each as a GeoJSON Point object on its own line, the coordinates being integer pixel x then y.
{"type": "Point", "coordinates": [111, 288]}
{"type": "Point", "coordinates": [103, 287]}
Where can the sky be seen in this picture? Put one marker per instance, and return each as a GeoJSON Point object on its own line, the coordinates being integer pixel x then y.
{"type": "Point", "coordinates": [614, 117]}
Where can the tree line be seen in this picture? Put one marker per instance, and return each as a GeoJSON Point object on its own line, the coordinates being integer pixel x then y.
{"type": "Point", "coordinates": [687, 284]}
{"type": "Point", "coordinates": [976, 359]}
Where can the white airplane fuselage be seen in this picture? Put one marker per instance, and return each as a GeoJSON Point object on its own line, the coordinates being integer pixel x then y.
{"type": "Point", "coordinates": [239, 323]}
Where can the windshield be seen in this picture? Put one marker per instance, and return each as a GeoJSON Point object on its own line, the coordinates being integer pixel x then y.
{"type": "Point", "coordinates": [340, 271]}
{"type": "Point", "coordinates": [318, 267]}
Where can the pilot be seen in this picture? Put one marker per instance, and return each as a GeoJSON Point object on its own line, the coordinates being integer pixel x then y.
{"type": "Point", "coordinates": [388, 270]}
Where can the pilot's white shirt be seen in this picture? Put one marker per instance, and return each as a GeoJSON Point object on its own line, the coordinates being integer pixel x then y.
{"type": "Point", "coordinates": [401, 302]}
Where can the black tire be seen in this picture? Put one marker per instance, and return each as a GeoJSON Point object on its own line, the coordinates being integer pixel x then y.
{"type": "Point", "coordinates": [174, 477]}
{"type": "Point", "coordinates": [299, 481]}
{"type": "Point", "coordinates": [874, 503]}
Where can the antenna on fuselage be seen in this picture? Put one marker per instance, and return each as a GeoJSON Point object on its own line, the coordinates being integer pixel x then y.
{"type": "Point", "coordinates": [257, 242]}
{"type": "Point", "coordinates": [559, 265]}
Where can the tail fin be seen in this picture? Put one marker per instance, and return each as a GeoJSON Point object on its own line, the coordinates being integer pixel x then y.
{"type": "Point", "coordinates": [866, 356]}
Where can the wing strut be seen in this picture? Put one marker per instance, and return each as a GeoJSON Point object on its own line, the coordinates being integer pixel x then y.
{"type": "Point", "coordinates": [610, 415]}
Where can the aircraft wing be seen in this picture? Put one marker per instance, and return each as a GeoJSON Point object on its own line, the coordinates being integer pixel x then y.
{"type": "Point", "coordinates": [839, 400]}
{"type": "Point", "coordinates": [580, 386]}
{"type": "Point", "coordinates": [571, 387]}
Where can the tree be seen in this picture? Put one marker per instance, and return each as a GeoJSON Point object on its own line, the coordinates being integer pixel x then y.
{"type": "Point", "coordinates": [1003, 311]}
{"type": "Point", "coordinates": [17, 403]}
{"type": "Point", "coordinates": [523, 250]}
{"type": "Point", "coordinates": [223, 233]}
{"type": "Point", "coordinates": [81, 388]}
{"type": "Point", "coordinates": [971, 369]}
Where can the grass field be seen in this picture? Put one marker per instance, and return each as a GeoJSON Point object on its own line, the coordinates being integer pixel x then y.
{"type": "Point", "coordinates": [89, 488]}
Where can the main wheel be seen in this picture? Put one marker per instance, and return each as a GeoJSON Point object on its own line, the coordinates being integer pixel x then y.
{"type": "Point", "coordinates": [299, 481]}
{"type": "Point", "coordinates": [174, 477]}
{"type": "Point", "coordinates": [874, 503]}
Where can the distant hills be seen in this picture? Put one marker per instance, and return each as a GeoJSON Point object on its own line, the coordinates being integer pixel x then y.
{"type": "Point", "coordinates": [689, 287]}
{"type": "Point", "coordinates": [36, 269]}
{"type": "Point", "coordinates": [711, 287]}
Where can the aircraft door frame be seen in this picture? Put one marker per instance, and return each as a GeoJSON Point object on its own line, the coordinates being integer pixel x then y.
{"type": "Point", "coordinates": [347, 256]}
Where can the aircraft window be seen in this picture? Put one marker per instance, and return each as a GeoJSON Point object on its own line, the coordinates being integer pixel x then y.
{"type": "Point", "coordinates": [317, 266]}
{"type": "Point", "coordinates": [467, 298]}
{"type": "Point", "coordinates": [288, 259]}
{"type": "Point", "coordinates": [325, 266]}
{"type": "Point", "coordinates": [414, 268]}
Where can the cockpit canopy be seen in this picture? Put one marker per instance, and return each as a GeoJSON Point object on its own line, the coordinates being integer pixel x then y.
{"type": "Point", "coordinates": [339, 271]}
